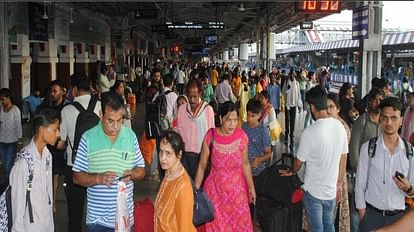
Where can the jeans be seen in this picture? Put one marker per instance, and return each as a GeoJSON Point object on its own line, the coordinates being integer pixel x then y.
{"type": "Point", "coordinates": [320, 213]}
{"type": "Point", "coordinates": [374, 220]}
{"type": "Point", "coordinates": [100, 228]}
{"type": "Point", "coordinates": [7, 154]}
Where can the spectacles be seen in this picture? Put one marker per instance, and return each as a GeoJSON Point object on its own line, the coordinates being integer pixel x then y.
{"type": "Point", "coordinates": [331, 106]}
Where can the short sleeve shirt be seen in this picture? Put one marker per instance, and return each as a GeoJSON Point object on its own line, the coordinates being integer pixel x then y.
{"type": "Point", "coordinates": [96, 154]}
{"type": "Point", "coordinates": [259, 139]}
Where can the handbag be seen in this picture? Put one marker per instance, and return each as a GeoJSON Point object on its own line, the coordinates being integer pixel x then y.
{"type": "Point", "coordinates": [203, 211]}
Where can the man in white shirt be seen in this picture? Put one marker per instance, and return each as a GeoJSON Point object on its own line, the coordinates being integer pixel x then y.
{"type": "Point", "coordinates": [181, 81]}
{"type": "Point", "coordinates": [75, 194]}
{"type": "Point", "coordinates": [291, 91]}
{"type": "Point", "coordinates": [170, 96]}
{"type": "Point", "coordinates": [385, 172]}
{"type": "Point", "coordinates": [105, 83]}
{"type": "Point", "coordinates": [325, 159]}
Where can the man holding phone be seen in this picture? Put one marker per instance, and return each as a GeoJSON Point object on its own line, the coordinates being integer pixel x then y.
{"type": "Point", "coordinates": [385, 172]}
{"type": "Point", "coordinates": [108, 153]}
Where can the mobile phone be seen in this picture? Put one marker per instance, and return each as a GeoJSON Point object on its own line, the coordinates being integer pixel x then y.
{"type": "Point", "coordinates": [122, 177]}
{"type": "Point", "coordinates": [399, 175]}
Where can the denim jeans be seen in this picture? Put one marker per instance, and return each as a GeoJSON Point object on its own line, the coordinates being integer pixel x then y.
{"type": "Point", "coordinates": [100, 228]}
{"type": "Point", "coordinates": [7, 154]}
{"type": "Point", "coordinates": [320, 213]}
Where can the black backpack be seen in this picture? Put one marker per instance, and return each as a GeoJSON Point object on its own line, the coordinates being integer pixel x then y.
{"type": "Point", "coordinates": [85, 121]}
{"type": "Point", "coordinates": [279, 189]}
{"type": "Point", "coordinates": [155, 118]}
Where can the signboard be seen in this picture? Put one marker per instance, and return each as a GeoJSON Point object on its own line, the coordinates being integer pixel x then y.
{"type": "Point", "coordinates": [318, 6]}
{"type": "Point", "coordinates": [187, 25]}
{"type": "Point", "coordinates": [146, 14]}
{"type": "Point", "coordinates": [306, 25]}
{"type": "Point", "coordinates": [38, 29]}
{"type": "Point", "coordinates": [360, 22]}
{"type": "Point", "coordinates": [194, 40]}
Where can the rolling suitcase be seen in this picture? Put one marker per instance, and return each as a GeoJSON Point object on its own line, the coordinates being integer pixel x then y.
{"type": "Point", "coordinates": [280, 199]}
{"type": "Point", "coordinates": [279, 219]}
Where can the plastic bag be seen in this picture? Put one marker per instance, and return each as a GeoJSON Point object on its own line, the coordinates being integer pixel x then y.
{"type": "Point", "coordinates": [122, 222]}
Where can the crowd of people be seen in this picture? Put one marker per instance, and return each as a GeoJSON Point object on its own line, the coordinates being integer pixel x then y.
{"type": "Point", "coordinates": [221, 128]}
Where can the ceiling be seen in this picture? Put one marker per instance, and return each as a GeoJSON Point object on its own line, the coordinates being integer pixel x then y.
{"type": "Point", "coordinates": [241, 22]}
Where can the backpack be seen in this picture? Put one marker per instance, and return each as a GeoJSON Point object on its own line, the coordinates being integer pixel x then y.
{"type": "Point", "coordinates": [372, 147]}
{"type": "Point", "coordinates": [156, 116]}
{"type": "Point", "coordinates": [85, 121]}
{"type": "Point", "coordinates": [6, 198]}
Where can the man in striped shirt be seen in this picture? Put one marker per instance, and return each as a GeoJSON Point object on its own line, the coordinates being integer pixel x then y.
{"type": "Point", "coordinates": [108, 153]}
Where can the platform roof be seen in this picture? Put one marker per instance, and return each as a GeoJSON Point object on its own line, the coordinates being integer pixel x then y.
{"type": "Point", "coordinates": [241, 20]}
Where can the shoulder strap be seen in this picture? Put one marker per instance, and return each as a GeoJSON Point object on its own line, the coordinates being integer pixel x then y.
{"type": "Point", "coordinates": [372, 147]}
{"type": "Point", "coordinates": [92, 104]}
{"type": "Point", "coordinates": [408, 149]}
{"type": "Point", "coordinates": [78, 106]}
{"type": "Point", "coordinates": [23, 154]}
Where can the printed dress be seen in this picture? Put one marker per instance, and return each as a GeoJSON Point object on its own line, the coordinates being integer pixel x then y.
{"type": "Point", "coordinates": [226, 184]}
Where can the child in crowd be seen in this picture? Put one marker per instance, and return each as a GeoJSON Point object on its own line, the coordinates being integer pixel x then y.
{"type": "Point", "coordinates": [259, 139]}
{"type": "Point", "coordinates": [259, 148]}
{"type": "Point", "coordinates": [180, 100]}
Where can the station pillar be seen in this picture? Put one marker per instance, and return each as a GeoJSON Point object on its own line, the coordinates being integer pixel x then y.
{"type": "Point", "coordinates": [371, 48]}
{"type": "Point", "coordinates": [4, 46]}
{"type": "Point", "coordinates": [19, 80]}
{"type": "Point", "coordinates": [66, 65]}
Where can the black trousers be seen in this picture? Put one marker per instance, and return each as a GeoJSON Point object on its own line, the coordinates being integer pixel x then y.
{"type": "Point", "coordinates": [190, 163]}
{"type": "Point", "coordinates": [290, 117]}
{"type": "Point", "coordinates": [75, 197]}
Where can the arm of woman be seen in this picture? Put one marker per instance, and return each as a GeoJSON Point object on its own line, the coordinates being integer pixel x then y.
{"type": "Point", "coordinates": [249, 178]}
{"type": "Point", "coordinates": [272, 119]}
{"type": "Point", "coordinates": [202, 165]}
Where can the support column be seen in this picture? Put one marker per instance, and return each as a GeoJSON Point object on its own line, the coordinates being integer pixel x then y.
{"type": "Point", "coordinates": [371, 48]}
{"type": "Point", "coordinates": [82, 59]}
{"type": "Point", "coordinates": [4, 46]}
{"type": "Point", "coordinates": [243, 54]}
{"type": "Point", "coordinates": [66, 66]}
{"type": "Point", "coordinates": [20, 62]}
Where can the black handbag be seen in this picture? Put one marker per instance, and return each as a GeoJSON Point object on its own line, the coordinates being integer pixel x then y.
{"type": "Point", "coordinates": [203, 208]}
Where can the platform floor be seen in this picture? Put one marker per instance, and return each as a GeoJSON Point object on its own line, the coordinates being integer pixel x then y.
{"type": "Point", "coordinates": [147, 188]}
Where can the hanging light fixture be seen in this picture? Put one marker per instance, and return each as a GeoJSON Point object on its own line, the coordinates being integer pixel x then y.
{"type": "Point", "coordinates": [90, 24]}
{"type": "Point", "coordinates": [44, 16]}
{"type": "Point", "coordinates": [71, 16]}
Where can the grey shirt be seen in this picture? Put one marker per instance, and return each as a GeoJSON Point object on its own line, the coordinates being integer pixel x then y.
{"type": "Point", "coordinates": [362, 130]}
{"type": "Point", "coordinates": [41, 194]}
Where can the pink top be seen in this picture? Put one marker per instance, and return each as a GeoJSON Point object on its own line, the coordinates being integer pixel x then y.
{"type": "Point", "coordinates": [192, 128]}
{"type": "Point", "coordinates": [226, 184]}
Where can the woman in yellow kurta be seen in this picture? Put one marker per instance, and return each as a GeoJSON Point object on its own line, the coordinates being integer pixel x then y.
{"type": "Point", "coordinates": [244, 94]}
{"type": "Point", "coordinates": [175, 200]}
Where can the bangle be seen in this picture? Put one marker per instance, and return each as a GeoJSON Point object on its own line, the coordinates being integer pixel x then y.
{"type": "Point", "coordinates": [409, 189]}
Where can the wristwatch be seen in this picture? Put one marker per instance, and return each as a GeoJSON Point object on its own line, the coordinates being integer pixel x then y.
{"type": "Point", "coordinates": [409, 189]}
